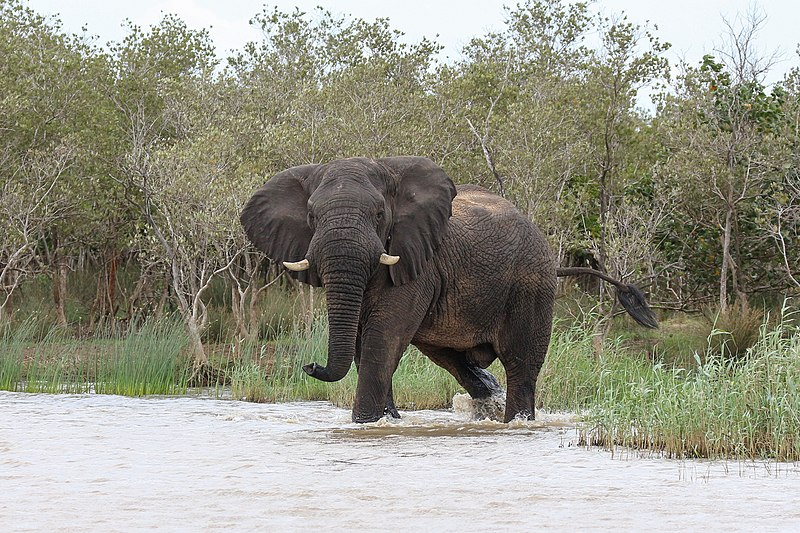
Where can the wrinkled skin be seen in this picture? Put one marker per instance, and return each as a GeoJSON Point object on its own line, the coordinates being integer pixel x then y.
{"type": "Point", "coordinates": [475, 280]}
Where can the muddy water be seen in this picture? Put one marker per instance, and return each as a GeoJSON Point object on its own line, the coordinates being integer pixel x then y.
{"type": "Point", "coordinates": [108, 463]}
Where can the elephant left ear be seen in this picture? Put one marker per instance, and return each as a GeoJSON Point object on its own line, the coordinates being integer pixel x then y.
{"type": "Point", "coordinates": [422, 206]}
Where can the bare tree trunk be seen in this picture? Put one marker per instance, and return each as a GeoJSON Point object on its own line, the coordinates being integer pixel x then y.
{"type": "Point", "coordinates": [162, 301]}
{"type": "Point", "coordinates": [196, 343]}
{"type": "Point", "coordinates": [111, 286]}
{"type": "Point", "coordinates": [739, 281]}
{"type": "Point", "coordinates": [104, 304]}
{"type": "Point", "coordinates": [245, 296]}
{"type": "Point", "coordinates": [252, 327]}
{"type": "Point", "coordinates": [60, 293]}
{"type": "Point", "coordinates": [142, 290]}
{"type": "Point", "coordinates": [723, 272]}
{"type": "Point", "coordinates": [58, 278]}
{"type": "Point", "coordinates": [238, 310]}
{"type": "Point", "coordinates": [6, 306]}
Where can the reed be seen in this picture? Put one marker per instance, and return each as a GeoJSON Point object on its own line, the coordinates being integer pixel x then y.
{"type": "Point", "coordinates": [745, 407]}
{"type": "Point", "coordinates": [146, 361]}
{"type": "Point", "coordinates": [12, 354]}
{"type": "Point", "coordinates": [418, 383]}
{"type": "Point", "coordinates": [281, 377]}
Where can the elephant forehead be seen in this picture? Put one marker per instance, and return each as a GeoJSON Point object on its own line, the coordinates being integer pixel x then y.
{"type": "Point", "coordinates": [346, 187]}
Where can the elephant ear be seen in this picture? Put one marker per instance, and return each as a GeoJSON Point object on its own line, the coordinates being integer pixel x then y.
{"type": "Point", "coordinates": [275, 218]}
{"type": "Point", "coordinates": [422, 206]}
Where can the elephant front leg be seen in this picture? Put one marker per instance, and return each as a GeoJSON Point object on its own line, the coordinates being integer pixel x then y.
{"type": "Point", "coordinates": [377, 364]}
{"type": "Point", "coordinates": [389, 407]}
{"type": "Point", "coordinates": [372, 393]}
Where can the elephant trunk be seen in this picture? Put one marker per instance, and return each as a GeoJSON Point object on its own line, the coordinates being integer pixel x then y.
{"type": "Point", "coordinates": [344, 292]}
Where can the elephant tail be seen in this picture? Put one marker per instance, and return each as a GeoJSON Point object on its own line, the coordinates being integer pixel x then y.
{"type": "Point", "coordinates": [630, 296]}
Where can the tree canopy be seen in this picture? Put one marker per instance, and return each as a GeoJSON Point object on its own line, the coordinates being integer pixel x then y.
{"type": "Point", "coordinates": [144, 151]}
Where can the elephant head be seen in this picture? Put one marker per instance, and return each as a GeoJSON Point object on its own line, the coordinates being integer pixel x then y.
{"type": "Point", "coordinates": [334, 224]}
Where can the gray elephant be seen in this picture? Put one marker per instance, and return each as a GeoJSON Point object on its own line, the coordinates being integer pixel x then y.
{"type": "Point", "coordinates": [406, 258]}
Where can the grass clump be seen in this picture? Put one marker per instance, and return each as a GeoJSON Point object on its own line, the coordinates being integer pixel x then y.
{"type": "Point", "coordinates": [723, 407]}
{"type": "Point", "coordinates": [418, 382]}
{"type": "Point", "coordinates": [12, 355]}
{"type": "Point", "coordinates": [147, 361]}
{"type": "Point", "coordinates": [248, 382]}
{"type": "Point", "coordinates": [280, 376]}
{"type": "Point", "coordinates": [736, 330]}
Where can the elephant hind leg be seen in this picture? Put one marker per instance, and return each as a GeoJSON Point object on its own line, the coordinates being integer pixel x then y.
{"type": "Point", "coordinates": [522, 348]}
{"type": "Point", "coordinates": [478, 383]}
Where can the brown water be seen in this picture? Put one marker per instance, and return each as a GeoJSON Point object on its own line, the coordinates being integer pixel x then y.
{"type": "Point", "coordinates": [109, 463]}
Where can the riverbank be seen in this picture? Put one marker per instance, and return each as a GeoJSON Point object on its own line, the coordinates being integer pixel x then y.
{"type": "Point", "coordinates": [717, 405]}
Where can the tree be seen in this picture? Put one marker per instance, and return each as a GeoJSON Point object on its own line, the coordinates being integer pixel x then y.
{"type": "Point", "coordinates": [175, 162]}
{"type": "Point", "coordinates": [46, 100]}
{"type": "Point", "coordinates": [516, 91]}
{"type": "Point", "coordinates": [720, 132]}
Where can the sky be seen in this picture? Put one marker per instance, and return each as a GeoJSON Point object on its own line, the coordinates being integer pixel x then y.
{"type": "Point", "coordinates": [693, 27]}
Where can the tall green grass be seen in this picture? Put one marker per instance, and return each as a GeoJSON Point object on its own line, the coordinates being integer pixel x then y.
{"type": "Point", "coordinates": [746, 406]}
{"type": "Point", "coordinates": [280, 377]}
{"type": "Point", "coordinates": [12, 355]}
{"type": "Point", "coordinates": [149, 360]}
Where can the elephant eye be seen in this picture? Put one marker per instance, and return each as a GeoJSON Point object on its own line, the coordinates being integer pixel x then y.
{"type": "Point", "coordinates": [310, 219]}
{"type": "Point", "coordinates": [379, 215]}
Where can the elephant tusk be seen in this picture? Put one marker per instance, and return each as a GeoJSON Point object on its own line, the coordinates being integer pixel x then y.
{"type": "Point", "coordinates": [387, 259]}
{"type": "Point", "coordinates": [298, 266]}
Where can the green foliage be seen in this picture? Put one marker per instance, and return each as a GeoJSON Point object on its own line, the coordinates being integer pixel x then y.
{"type": "Point", "coordinates": [143, 153]}
{"type": "Point", "coordinates": [150, 360]}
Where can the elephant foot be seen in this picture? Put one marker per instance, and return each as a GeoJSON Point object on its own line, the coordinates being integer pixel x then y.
{"type": "Point", "coordinates": [391, 410]}
{"type": "Point", "coordinates": [366, 419]}
{"type": "Point", "coordinates": [388, 411]}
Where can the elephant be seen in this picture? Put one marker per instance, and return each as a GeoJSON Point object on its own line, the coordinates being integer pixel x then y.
{"type": "Point", "coordinates": [406, 257]}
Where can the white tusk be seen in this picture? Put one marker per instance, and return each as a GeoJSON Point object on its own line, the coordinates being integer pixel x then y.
{"type": "Point", "coordinates": [387, 259]}
{"type": "Point", "coordinates": [297, 267]}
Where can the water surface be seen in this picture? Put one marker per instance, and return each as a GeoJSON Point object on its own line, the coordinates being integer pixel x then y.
{"type": "Point", "coordinates": [110, 463]}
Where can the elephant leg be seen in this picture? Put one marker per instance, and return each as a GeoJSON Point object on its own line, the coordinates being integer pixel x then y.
{"type": "Point", "coordinates": [380, 355]}
{"type": "Point", "coordinates": [389, 408]}
{"type": "Point", "coordinates": [522, 348]}
{"type": "Point", "coordinates": [478, 383]}
{"type": "Point", "coordinates": [385, 337]}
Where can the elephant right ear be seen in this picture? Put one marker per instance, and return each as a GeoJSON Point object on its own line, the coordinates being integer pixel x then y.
{"type": "Point", "coordinates": [275, 219]}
